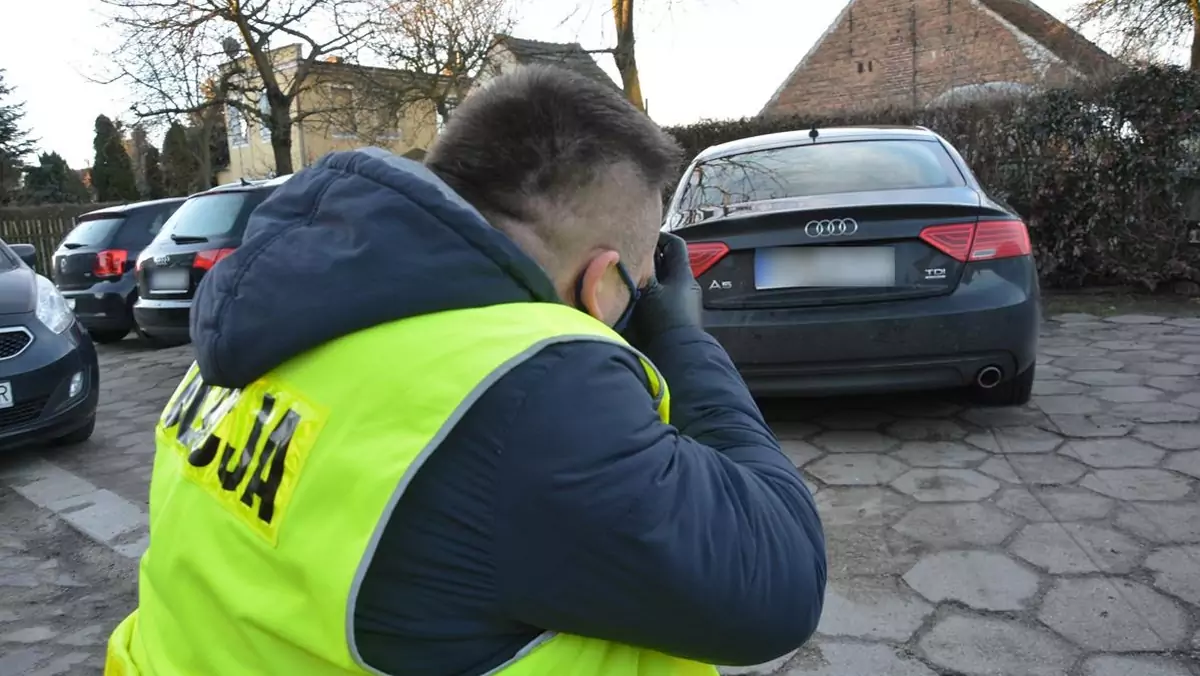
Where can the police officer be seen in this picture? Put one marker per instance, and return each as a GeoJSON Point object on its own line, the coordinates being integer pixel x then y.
{"type": "Point", "coordinates": [447, 420]}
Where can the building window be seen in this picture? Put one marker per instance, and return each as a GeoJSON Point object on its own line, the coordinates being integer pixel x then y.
{"type": "Point", "coordinates": [264, 109]}
{"type": "Point", "coordinates": [237, 126]}
{"type": "Point", "coordinates": [341, 104]}
{"type": "Point", "coordinates": [860, 66]}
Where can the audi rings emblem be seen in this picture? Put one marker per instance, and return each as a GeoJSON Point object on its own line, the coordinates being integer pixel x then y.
{"type": "Point", "coordinates": [832, 227]}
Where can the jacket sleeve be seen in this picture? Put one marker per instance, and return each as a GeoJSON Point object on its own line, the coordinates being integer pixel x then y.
{"type": "Point", "coordinates": [613, 525]}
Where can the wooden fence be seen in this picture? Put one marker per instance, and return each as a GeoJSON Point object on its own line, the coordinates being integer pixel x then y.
{"type": "Point", "coordinates": [42, 226]}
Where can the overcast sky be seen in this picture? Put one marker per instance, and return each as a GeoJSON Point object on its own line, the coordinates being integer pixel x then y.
{"type": "Point", "coordinates": [702, 59]}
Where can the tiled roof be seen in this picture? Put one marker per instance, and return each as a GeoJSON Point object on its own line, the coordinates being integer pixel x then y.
{"type": "Point", "coordinates": [1063, 41]}
{"type": "Point", "coordinates": [571, 56]}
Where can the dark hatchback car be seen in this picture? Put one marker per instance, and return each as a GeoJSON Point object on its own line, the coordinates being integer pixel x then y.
{"type": "Point", "coordinates": [93, 267]}
{"type": "Point", "coordinates": [205, 229]}
{"type": "Point", "coordinates": [860, 260]}
{"type": "Point", "coordinates": [49, 378]}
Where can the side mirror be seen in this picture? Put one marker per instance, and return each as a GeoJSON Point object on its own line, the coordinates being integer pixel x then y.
{"type": "Point", "coordinates": [26, 252]}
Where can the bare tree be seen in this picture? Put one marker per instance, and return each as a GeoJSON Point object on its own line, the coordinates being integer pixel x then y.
{"type": "Point", "coordinates": [443, 43]}
{"type": "Point", "coordinates": [624, 53]}
{"type": "Point", "coordinates": [1140, 29]}
{"type": "Point", "coordinates": [197, 56]}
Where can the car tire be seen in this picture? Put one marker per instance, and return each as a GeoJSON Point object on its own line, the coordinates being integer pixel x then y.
{"type": "Point", "coordinates": [157, 343]}
{"type": "Point", "coordinates": [108, 336]}
{"type": "Point", "coordinates": [80, 435]}
{"type": "Point", "coordinates": [1016, 391]}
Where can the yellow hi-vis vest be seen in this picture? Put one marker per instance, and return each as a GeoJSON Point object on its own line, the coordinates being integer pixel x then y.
{"type": "Point", "coordinates": [266, 503]}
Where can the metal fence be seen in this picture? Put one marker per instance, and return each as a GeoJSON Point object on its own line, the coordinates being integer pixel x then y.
{"type": "Point", "coordinates": [42, 226]}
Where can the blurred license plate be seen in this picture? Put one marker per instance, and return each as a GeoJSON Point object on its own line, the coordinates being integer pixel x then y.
{"type": "Point", "coordinates": [170, 280]}
{"type": "Point", "coordinates": [6, 395]}
{"type": "Point", "coordinates": [792, 267]}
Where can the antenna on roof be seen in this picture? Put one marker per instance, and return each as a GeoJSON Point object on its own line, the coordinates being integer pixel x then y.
{"type": "Point", "coordinates": [813, 133]}
{"type": "Point", "coordinates": [244, 181]}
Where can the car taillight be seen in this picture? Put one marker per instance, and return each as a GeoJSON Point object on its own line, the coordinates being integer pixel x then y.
{"type": "Point", "coordinates": [110, 263]}
{"type": "Point", "coordinates": [704, 255]}
{"type": "Point", "coordinates": [987, 240]}
{"type": "Point", "coordinates": [205, 260]}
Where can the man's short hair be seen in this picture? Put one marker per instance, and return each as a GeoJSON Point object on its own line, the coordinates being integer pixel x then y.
{"type": "Point", "coordinates": [542, 136]}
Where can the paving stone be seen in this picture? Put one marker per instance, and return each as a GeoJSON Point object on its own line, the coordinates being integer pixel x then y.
{"type": "Point", "coordinates": [1163, 368]}
{"type": "Point", "coordinates": [1072, 351]}
{"type": "Point", "coordinates": [957, 526]}
{"type": "Point", "coordinates": [1049, 373]}
{"type": "Point", "coordinates": [1185, 463]}
{"type": "Point", "coordinates": [927, 429]}
{"type": "Point", "coordinates": [1135, 319]}
{"type": "Point", "coordinates": [1137, 484]}
{"type": "Point", "coordinates": [794, 430]}
{"type": "Point", "coordinates": [1046, 470]}
{"type": "Point", "coordinates": [832, 658]}
{"type": "Point", "coordinates": [20, 661]}
{"type": "Point", "coordinates": [856, 469]}
{"type": "Point", "coordinates": [1004, 416]}
{"type": "Point", "coordinates": [1088, 364]}
{"type": "Point", "coordinates": [61, 664]}
{"type": "Point", "coordinates": [867, 506]}
{"type": "Point", "coordinates": [1114, 615]}
{"type": "Point", "coordinates": [985, 441]}
{"type": "Point", "coordinates": [1068, 404]}
{"type": "Point", "coordinates": [1161, 523]}
{"type": "Point", "coordinates": [854, 441]}
{"type": "Point", "coordinates": [1172, 383]}
{"type": "Point", "coordinates": [939, 454]}
{"type": "Point", "coordinates": [1177, 571]}
{"type": "Point", "coordinates": [854, 420]}
{"type": "Point", "coordinates": [1173, 437]}
{"type": "Point", "coordinates": [869, 550]}
{"type": "Point", "coordinates": [872, 609]}
{"type": "Point", "coordinates": [1072, 548]}
{"type": "Point", "coordinates": [1112, 453]}
{"type": "Point", "coordinates": [945, 485]}
{"type": "Point", "coordinates": [1045, 388]}
{"type": "Point", "coordinates": [36, 634]}
{"type": "Point", "coordinates": [799, 452]}
{"type": "Point", "coordinates": [1127, 395]}
{"type": "Point", "coordinates": [1124, 665]}
{"type": "Point", "coordinates": [990, 646]}
{"type": "Point", "coordinates": [1068, 317]}
{"type": "Point", "coordinates": [1160, 412]}
{"type": "Point", "coordinates": [1090, 426]}
{"type": "Point", "coordinates": [1106, 378]}
{"type": "Point", "coordinates": [1055, 504]}
{"type": "Point", "coordinates": [998, 468]}
{"type": "Point", "coordinates": [1027, 439]}
{"type": "Point", "coordinates": [979, 580]}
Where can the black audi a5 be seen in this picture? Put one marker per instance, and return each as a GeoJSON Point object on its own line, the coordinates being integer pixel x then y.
{"type": "Point", "coordinates": [49, 378]}
{"type": "Point", "coordinates": [860, 260]}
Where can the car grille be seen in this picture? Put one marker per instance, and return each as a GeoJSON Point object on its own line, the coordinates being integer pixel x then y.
{"type": "Point", "coordinates": [22, 413]}
{"type": "Point", "coordinates": [14, 341]}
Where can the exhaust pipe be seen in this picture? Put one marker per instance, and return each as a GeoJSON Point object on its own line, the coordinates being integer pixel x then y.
{"type": "Point", "coordinates": [989, 377]}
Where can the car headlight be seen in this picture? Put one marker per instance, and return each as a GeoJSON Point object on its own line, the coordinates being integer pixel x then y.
{"type": "Point", "coordinates": [52, 308]}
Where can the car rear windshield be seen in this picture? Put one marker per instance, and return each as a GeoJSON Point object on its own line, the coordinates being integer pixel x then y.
{"type": "Point", "coordinates": [820, 169]}
{"type": "Point", "coordinates": [93, 231]}
{"type": "Point", "coordinates": [213, 215]}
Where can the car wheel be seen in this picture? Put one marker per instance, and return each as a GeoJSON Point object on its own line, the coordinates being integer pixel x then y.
{"type": "Point", "coordinates": [106, 336]}
{"type": "Point", "coordinates": [1016, 391]}
{"type": "Point", "coordinates": [80, 435]}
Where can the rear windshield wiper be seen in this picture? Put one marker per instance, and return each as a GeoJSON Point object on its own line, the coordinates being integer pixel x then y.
{"type": "Point", "coordinates": [188, 239]}
{"type": "Point", "coordinates": [72, 245]}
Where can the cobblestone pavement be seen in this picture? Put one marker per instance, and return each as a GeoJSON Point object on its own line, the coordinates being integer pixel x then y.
{"type": "Point", "coordinates": [1058, 539]}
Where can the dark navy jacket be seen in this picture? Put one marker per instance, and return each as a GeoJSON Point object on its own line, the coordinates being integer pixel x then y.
{"type": "Point", "coordinates": [560, 501]}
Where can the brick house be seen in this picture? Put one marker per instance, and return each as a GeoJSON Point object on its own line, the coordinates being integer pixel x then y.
{"type": "Point", "coordinates": [910, 52]}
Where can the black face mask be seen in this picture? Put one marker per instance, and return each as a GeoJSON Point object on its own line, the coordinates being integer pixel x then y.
{"type": "Point", "coordinates": [634, 294]}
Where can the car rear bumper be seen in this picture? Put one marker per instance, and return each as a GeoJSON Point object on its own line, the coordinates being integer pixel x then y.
{"type": "Point", "coordinates": [991, 319]}
{"type": "Point", "coordinates": [40, 380]}
{"type": "Point", "coordinates": [167, 319]}
{"type": "Point", "coordinates": [104, 306]}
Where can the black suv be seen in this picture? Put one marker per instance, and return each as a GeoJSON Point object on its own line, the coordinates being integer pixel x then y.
{"type": "Point", "coordinates": [93, 267]}
{"type": "Point", "coordinates": [208, 227]}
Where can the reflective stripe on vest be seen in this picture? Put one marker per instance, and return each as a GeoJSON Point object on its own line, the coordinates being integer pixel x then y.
{"type": "Point", "coordinates": [266, 503]}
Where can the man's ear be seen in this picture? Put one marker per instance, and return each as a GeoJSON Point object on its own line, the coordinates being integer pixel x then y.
{"type": "Point", "coordinates": [592, 289]}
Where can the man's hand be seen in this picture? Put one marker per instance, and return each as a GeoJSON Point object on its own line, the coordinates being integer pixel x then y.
{"type": "Point", "coordinates": [673, 298]}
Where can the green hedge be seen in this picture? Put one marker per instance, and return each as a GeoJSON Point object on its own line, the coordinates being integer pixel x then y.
{"type": "Point", "coordinates": [1107, 176]}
